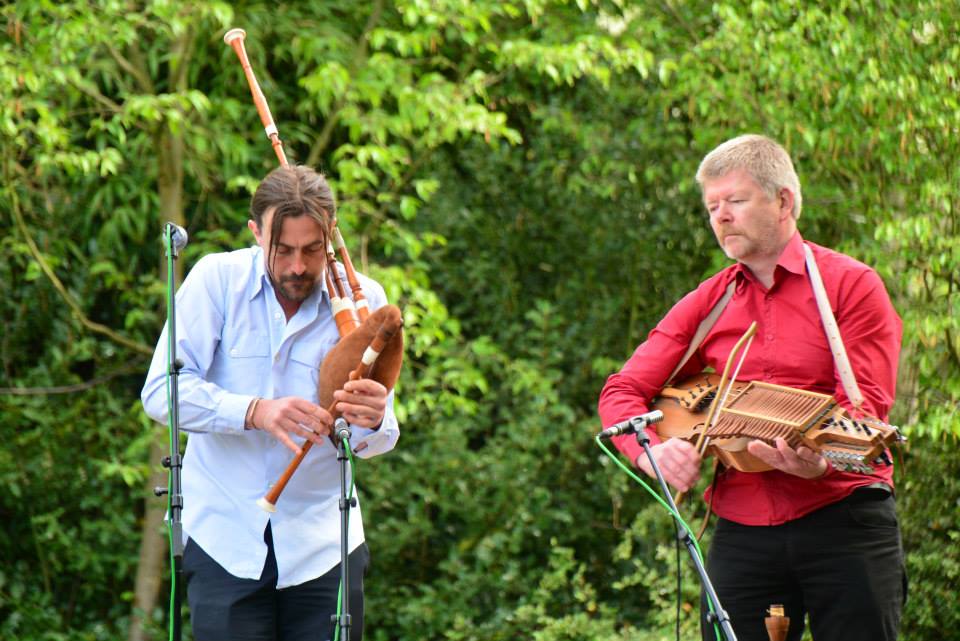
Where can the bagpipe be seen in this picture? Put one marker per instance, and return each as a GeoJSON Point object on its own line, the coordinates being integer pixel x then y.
{"type": "Point", "coordinates": [371, 343]}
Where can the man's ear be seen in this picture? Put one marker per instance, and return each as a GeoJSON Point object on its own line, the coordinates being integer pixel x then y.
{"type": "Point", "coordinates": [786, 202]}
{"type": "Point", "coordinates": [252, 226]}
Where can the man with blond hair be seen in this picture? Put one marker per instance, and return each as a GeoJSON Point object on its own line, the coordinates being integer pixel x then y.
{"type": "Point", "coordinates": [822, 542]}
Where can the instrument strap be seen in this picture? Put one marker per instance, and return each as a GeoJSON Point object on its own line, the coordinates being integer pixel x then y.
{"type": "Point", "coordinates": [703, 329]}
{"type": "Point", "coordinates": [847, 378]}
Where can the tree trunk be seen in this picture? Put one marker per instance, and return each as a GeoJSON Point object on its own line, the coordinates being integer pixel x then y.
{"type": "Point", "coordinates": [153, 545]}
{"type": "Point", "coordinates": [153, 548]}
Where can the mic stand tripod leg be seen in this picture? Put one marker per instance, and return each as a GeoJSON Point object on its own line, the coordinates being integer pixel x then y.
{"type": "Point", "coordinates": [343, 433]}
{"type": "Point", "coordinates": [720, 616]}
{"type": "Point", "coordinates": [174, 462]}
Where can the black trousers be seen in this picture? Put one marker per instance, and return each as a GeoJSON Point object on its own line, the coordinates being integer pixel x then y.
{"type": "Point", "coordinates": [227, 608]}
{"type": "Point", "coordinates": [841, 566]}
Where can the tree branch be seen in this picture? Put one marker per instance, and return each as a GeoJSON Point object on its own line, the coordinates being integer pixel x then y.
{"type": "Point", "coordinates": [323, 139]}
{"type": "Point", "coordinates": [92, 92]}
{"type": "Point", "coordinates": [181, 55]}
{"type": "Point", "coordinates": [70, 389]}
{"type": "Point", "coordinates": [137, 71]}
{"type": "Point", "coordinates": [59, 286]}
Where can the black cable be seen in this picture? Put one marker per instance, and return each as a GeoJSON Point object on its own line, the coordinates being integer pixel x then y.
{"type": "Point", "coordinates": [676, 547]}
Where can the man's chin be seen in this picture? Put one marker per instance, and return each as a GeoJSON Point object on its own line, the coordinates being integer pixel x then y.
{"type": "Point", "coordinates": [296, 294]}
{"type": "Point", "coordinates": [732, 248]}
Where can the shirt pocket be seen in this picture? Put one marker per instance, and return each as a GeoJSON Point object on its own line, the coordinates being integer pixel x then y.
{"type": "Point", "coordinates": [306, 356]}
{"type": "Point", "coordinates": [242, 364]}
{"type": "Point", "coordinates": [248, 346]}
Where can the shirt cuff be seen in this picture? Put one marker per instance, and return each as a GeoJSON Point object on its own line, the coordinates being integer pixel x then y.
{"type": "Point", "coordinates": [232, 413]}
{"type": "Point", "coordinates": [368, 442]}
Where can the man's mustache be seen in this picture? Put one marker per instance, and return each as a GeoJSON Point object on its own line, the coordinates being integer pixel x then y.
{"type": "Point", "coordinates": [303, 278]}
{"type": "Point", "coordinates": [723, 232]}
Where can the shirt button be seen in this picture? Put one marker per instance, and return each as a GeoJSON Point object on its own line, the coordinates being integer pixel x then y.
{"type": "Point", "coordinates": [233, 352]}
{"type": "Point", "coordinates": [276, 358]}
{"type": "Point", "coordinates": [276, 315]}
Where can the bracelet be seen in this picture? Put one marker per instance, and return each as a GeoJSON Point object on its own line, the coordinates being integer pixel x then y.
{"type": "Point", "coordinates": [252, 410]}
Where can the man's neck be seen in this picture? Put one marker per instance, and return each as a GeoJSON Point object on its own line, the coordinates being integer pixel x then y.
{"type": "Point", "coordinates": [763, 270]}
{"type": "Point", "coordinates": [289, 307]}
{"type": "Point", "coordinates": [764, 267]}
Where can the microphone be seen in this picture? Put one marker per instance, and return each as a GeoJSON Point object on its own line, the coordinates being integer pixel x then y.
{"type": "Point", "coordinates": [178, 235]}
{"type": "Point", "coordinates": [632, 425]}
{"type": "Point", "coordinates": [342, 429]}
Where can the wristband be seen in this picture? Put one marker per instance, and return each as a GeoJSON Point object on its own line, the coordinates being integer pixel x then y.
{"type": "Point", "coordinates": [252, 410]}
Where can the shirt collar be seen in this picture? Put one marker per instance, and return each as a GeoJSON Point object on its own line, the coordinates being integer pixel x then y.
{"type": "Point", "coordinates": [259, 272]}
{"type": "Point", "coordinates": [792, 257]}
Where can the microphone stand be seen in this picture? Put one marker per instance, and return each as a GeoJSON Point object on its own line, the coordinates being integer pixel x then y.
{"type": "Point", "coordinates": [347, 501]}
{"type": "Point", "coordinates": [720, 616]}
{"type": "Point", "coordinates": [174, 461]}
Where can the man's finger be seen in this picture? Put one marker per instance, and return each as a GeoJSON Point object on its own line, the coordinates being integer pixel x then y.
{"type": "Point", "coordinates": [792, 457]}
{"type": "Point", "coordinates": [283, 438]}
{"type": "Point", "coordinates": [364, 419]}
{"type": "Point", "coordinates": [760, 446]}
{"type": "Point", "coordinates": [360, 408]}
{"type": "Point", "coordinates": [784, 448]}
{"type": "Point", "coordinates": [309, 423]}
{"type": "Point", "coordinates": [303, 406]}
{"type": "Point", "coordinates": [355, 397]}
{"type": "Point", "coordinates": [762, 450]}
{"type": "Point", "coordinates": [308, 432]}
{"type": "Point", "coordinates": [365, 386]}
{"type": "Point", "coordinates": [807, 454]}
{"type": "Point", "coordinates": [683, 484]}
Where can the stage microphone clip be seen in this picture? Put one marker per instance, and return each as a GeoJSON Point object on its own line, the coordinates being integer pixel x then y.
{"type": "Point", "coordinates": [632, 425]}
{"type": "Point", "coordinates": [178, 235]}
{"type": "Point", "coordinates": [342, 429]}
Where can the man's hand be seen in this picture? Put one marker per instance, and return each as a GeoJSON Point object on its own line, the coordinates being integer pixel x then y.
{"type": "Point", "coordinates": [678, 461]}
{"type": "Point", "coordinates": [362, 402]}
{"type": "Point", "coordinates": [802, 462]}
{"type": "Point", "coordinates": [292, 415]}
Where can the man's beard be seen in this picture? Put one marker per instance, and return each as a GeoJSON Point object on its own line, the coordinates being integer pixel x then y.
{"type": "Point", "coordinates": [749, 243]}
{"type": "Point", "coordinates": [295, 288]}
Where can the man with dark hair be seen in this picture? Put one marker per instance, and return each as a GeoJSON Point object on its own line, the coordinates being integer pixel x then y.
{"type": "Point", "coordinates": [824, 543]}
{"type": "Point", "coordinates": [253, 326]}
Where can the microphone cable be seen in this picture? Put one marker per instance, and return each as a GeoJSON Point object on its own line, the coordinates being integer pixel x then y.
{"type": "Point", "coordinates": [678, 521]}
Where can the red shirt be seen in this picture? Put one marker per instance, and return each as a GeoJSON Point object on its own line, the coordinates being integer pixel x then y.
{"type": "Point", "coordinates": [790, 348]}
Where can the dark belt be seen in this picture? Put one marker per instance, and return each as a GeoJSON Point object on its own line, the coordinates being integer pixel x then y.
{"type": "Point", "coordinates": [874, 492]}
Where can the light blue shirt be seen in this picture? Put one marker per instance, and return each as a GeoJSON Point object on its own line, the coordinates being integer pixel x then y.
{"type": "Point", "coordinates": [236, 344]}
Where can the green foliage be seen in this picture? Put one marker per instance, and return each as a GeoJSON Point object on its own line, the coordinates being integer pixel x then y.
{"type": "Point", "coordinates": [69, 514]}
{"type": "Point", "coordinates": [519, 175]}
{"type": "Point", "coordinates": [929, 506]}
